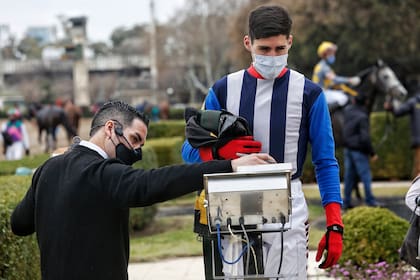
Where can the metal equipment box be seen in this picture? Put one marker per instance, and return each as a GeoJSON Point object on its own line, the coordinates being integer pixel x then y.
{"type": "Point", "coordinates": [253, 197]}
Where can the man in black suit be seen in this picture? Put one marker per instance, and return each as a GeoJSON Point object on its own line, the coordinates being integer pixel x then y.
{"type": "Point", "coordinates": [78, 202]}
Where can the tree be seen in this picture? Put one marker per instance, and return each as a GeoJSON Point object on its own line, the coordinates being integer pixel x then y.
{"type": "Point", "coordinates": [99, 48]}
{"type": "Point", "coordinates": [30, 48]}
{"type": "Point", "coordinates": [386, 29]}
{"type": "Point", "coordinates": [133, 40]}
{"type": "Point", "coordinates": [200, 44]}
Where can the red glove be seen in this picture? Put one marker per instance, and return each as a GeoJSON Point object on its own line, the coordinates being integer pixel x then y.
{"type": "Point", "coordinates": [332, 241]}
{"type": "Point", "coordinates": [206, 153]}
{"type": "Point", "coordinates": [243, 145]}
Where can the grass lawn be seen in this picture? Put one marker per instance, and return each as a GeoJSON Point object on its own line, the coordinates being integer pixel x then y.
{"type": "Point", "coordinates": [170, 237]}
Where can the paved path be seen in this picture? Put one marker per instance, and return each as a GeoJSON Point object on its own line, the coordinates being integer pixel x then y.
{"type": "Point", "coordinates": [192, 268]}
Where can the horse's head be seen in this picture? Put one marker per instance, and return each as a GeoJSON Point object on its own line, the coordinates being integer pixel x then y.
{"type": "Point", "coordinates": [32, 109]}
{"type": "Point", "coordinates": [387, 81]}
{"type": "Point", "coordinates": [382, 79]}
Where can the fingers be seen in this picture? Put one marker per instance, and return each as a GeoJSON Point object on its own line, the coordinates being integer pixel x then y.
{"type": "Point", "coordinates": [266, 158]}
{"type": "Point", "coordinates": [321, 248]}
{"type": "Point", "coordinates": [332, 255]}
{"type": "Point", "coordinates": [329, 261]}
{"type": "Point", "coordinates": [252, 159]}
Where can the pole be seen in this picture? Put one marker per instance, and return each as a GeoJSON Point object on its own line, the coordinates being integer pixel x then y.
{"type": "Point", "coordinates": [153, 54]}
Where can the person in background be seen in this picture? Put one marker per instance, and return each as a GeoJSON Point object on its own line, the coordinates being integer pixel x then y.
{"type": "Point", "coordinates": [411, 197]}
{"type": "Point", "coordinates": [326, 78]}
{"type": "Point", "coordinates": [78, 202]}
{"type": "Point", "coordinates": [285, 111]}
{"type": "Point", "coordinates": [15, 136]}
{"type": "Point", "coordinates": [410, 107]}
{"type": "Point", "coordinates": [358, 151]}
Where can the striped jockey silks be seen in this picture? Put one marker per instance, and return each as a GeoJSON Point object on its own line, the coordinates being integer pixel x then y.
{"type": "Point", "coordinates": [285, 114]}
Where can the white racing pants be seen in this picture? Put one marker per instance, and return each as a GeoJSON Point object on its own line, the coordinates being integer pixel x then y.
{"type": "Point", "coordinates": [295, 242]}
{"type": "Point", "coordinates": [336, 96]}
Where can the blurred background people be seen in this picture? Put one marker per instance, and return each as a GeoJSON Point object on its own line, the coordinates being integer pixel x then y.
{"type": "Point", "coordinates": [358, 151]}
{"type": "Point", "coordinates": [325, 77]}
{"type": "Point", "coordinates": [15, 136]}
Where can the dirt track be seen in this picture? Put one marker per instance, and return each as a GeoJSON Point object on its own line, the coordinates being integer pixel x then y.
{"type": "Point", "coordinates": [37, 148]}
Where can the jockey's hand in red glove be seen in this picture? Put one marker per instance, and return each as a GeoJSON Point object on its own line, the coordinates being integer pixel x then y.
{"type": "Point", "coordinates": [332, 241]}
{"type": "Point", "coordinates": [240, 145]}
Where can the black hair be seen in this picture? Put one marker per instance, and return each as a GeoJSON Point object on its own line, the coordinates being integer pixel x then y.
{"type": "Point", "coordinates": [268, 21]}
{"type": "Point", "coordinates": [117, 111]}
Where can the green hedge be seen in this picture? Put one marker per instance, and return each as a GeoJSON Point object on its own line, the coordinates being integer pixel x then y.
{"type": "Point", "coordinates": [395, 155]}
{"type": "Point", "coordinates": [391, 140]}
{"type": "Point", "coordinates": [176, 114]}
{"type": "Point", "coordinates": [169, 128]}
{"type": "Point", "coordinates": [372, 235]}
{"type": "Point", "coordinates": [168, 150]}
{"type": "Point", "coordinates": [19, 256]}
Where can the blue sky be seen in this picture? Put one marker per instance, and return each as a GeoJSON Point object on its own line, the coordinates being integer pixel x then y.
{"type": "Point", "coordinates": [103, 16]}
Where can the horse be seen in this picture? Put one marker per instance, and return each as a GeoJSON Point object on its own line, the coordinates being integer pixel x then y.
{"type": "Point", "coordinates": [48, 118]}
{"type": "Point", "coordinates": [378, 79]}
{"type": "Point", "coordinates": [74, 113]}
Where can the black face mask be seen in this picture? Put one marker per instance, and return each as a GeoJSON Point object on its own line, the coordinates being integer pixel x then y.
{"type": "Point", "coordinates": [126, 155]}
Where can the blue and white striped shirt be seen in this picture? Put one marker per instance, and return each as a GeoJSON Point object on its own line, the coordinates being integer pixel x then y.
{"type": "Point", "coordinates": [284, 114]}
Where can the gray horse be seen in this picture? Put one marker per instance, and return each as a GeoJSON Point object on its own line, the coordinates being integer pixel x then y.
{"type": "Point", "coordinates": [377, 80]}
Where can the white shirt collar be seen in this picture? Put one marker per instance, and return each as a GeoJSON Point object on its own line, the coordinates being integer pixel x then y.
{"type": "Point", "coordinates": [94, 147]}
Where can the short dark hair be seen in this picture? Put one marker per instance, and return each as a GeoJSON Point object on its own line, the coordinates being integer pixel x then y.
{"type": "Point", "coordinates": [267, 21]}
{"type": "Point", "coordinates": [118, 111]}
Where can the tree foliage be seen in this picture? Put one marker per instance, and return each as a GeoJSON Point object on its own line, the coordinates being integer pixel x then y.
{"type": "Point", "coordinates": [30, 48]}
{"type": "Point", "coordinates": [133, 40]}
{"type": "Point", "coordinates": [364, 30]}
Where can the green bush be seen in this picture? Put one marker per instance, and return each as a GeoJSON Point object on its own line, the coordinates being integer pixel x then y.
{"type": "Point", "coordinates": [168, 150]}
{"type": "Point", "coordinates": [393, 148]}
{"type": "Point", "coordinates": [372, 235]}
{"type": "Point", "coordinates": [141, 217]}
{"type": "Point", "coordinates": [169, 128]}
{"type": "Point", "coordinates": [176, 150]}
{"type": "Point", "coordinates": [149, 159]}
{"type": "Point", "coordinates": [176, 114]}
{"type": "Point", "coordinates": [391, 140]}
{"type": "Point", "coordinates": [19, 256]}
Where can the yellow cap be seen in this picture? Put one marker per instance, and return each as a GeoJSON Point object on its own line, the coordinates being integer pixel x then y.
{"type": "Point", "coordinates": [324, 46]}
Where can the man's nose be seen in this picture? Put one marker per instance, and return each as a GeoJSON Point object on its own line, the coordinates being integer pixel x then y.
{"type": "Point", "coordinates": [272, 53]}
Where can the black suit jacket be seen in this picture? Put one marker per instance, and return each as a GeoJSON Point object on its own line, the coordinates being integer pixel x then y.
{"type": "Point", "coordinates": [78, 206]}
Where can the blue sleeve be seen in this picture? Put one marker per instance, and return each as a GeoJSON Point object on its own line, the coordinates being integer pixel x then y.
{"type": "Point", "coordinates": [323, 152]}
{"type": "Point", "coordinates": [341, 80]}
{"type": "Point", "coordinates": [190, 154]}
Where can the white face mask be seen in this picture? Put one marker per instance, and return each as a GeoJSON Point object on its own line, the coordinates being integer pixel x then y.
{"type": "Point", "coordinates": [270, 66]}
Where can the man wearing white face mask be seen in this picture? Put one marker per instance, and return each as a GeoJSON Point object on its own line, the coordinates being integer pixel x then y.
{"type": "Point", "coordinates": [285, 111]}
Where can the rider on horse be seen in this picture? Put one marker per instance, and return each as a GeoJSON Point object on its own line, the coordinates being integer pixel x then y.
{"type": "Point", "coordinates": [334, 86]}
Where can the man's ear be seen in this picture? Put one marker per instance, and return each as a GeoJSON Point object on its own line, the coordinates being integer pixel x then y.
{"type": "Point", "coordinates": [109, 127]}
{"type": "Point", "coordinates": [290, 41]}
{"type": "Point", "coordinates": [247, 43]}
